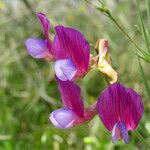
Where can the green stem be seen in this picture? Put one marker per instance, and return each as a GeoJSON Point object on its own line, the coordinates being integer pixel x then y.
{"type": "Point", "coordinates": [100, 2]}
{"type": "Point", "coordinates": [90, 3]}
{"type": "Point", "coordinates": [106, 79]}
{"type": "Point", "coordinates": [27, 4]}
{"type": "Point", "coordinates": [125, 33]}
{"type": "Point", "coordinates": [143, 26]}
{"type": "Point", "coordinates": [147, 146]}
{"type": "Point", "coordinates": [106, 12]}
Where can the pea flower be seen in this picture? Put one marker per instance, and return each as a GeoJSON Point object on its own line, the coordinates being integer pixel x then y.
{"type": "Point", "coordinates": [120, 110]}
{"type": "Point", "coordinates": [73, 113]}
{"type": "Point", "coordinates": [69, 48]}
{"type": "Point", "coordinates": [104, 62]}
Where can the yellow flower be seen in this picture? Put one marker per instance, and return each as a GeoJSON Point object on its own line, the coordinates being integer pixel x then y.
{"type": "Point", "coordinates": [104, 61]}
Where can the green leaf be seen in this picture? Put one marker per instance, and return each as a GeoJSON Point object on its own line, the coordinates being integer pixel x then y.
{"type": "Point", "coordinates": [104, 10]}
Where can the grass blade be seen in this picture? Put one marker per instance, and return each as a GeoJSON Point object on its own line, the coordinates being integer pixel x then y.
{"type": "Point", "coordinates": [142, 26]}
{"type": "Point", "coordinates": [146, 85]}
{"type": "Point", "coordinates": [148, 16]}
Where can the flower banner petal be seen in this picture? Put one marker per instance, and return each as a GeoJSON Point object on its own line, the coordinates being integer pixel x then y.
{"type": "Point", "coordinates": [118, 103]}
{"type": "Point", "coordinates": [71, 96]}
{"type": "Point", "coordinates": [70, 43]}
{"type": "Point", "coordinates": [46, 26]}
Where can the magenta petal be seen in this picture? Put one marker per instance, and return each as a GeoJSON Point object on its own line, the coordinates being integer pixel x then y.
{"type": "Point", "coordinates": [120, 104]}
{"type": "Point", "coordinates": [62, 118]}
{"type": "Point", "coordinates": [89, 113]}
{"type": "Point", "coordinates": [37, 48]}
{"type": "Point", "coordinates": [120, 132]}
{"type": "Point", "coordinates": [71, 96]}
{"type": "Point", "coordinates": [65, 69]}
{"type": "Point", "coordinates": [46, 26]}
{"type": "Point", "coordinates": [70, 43]}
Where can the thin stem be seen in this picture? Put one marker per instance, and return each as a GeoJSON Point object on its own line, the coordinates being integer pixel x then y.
{"type": "Point", "coordinates": [108, 14]}
{"type": "Point", "coordinates": [125, 33]}
{"type": "Point", "coordinates": [27, 4]}
{"type": "Point", "coordinates": [100, 2]}
{"type": "Point", "coordinates": [148, 16]}
{"type": "Point", "coordinates": [92, 46]}
{"type": "Point", "coordinates": [143, 26]}
{"type": "Point", "coordinates": [90, 3]}
{"type": "Point", "coordinates": [106, 79]}
{"type": "Point", "coordinates": [147, 146]}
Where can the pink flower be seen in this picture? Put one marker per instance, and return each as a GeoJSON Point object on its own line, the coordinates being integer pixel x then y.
{"type": "Point", "coordinates": [69, 48]}
{"type": "Point", "coordinates": [120, 110]}
{"type": "Point", "coordinates": [73, 113]}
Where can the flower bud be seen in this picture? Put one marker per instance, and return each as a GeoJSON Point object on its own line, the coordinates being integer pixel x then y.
{"type": "Point", "coordinates": [104, 62]}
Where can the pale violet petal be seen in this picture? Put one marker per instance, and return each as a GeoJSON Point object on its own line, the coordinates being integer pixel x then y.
{"type": "Point", "coordinates": [65, 69]}
{"type": "Point", "coordinates": [120, 132]}
{"type": "Point", "coordinates": [36, 47]}
{"type": "Point", "coordinates": [62, 118]}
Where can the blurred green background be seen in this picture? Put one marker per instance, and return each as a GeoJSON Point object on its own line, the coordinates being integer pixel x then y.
{"type": "Point", "coordinates": [28, 91]}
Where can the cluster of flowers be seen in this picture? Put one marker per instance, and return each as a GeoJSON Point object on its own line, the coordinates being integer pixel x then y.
{"type": "Point", "coordinates": [119, 108]}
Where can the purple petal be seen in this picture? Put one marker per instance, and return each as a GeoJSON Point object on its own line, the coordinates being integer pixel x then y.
{"type": "Point", "coordinates": [120, 104]}
{"type": "Point", "coordinates": [70, 43]}
{"type": "Point", "coordinates": [65, 69]}
{"type": "Point", "coordinates": [89, 113]}
{"type": "Point", "coordinates": [37, 48]}
{"type": "Point", "coordinates": [66, 118]}
{"type": "Point", "coordinates": [46, 26]}
{"type": "Point", "coordinates": [71, 96]}
{"type": "Point", "coordinates": [62, 118]}
{"type": "Point", "coordinates": [120, 132]}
